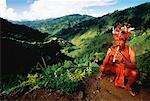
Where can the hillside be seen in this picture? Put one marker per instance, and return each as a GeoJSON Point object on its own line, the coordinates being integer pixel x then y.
{"type": "Point", "coordinates": [23, 47]}
{"type": "Point", "coordinates": [54, 26]}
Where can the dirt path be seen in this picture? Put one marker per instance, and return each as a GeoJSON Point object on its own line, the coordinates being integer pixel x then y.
{"type": "Point", "coordinates": [103, 90]}
{"type": "Point", "coordinates": [91, 89]}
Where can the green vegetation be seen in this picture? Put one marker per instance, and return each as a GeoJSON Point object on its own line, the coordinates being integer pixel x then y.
{"type": "Point", "coordinates": [62, 76]}
{"type": "Point", "coordinates": [61, 63]}
{"type": "Point", "coordinates": [141, 43]}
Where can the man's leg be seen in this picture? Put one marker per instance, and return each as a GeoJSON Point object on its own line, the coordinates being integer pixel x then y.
{"type": "Point", "coordinates": [101, 74]}
{"type": "Point", "coordinates": [119, 81]}
{"type": "Point", "coordinates": [104, 70]}
{"type": "Point", "coordinates": [131, 77]}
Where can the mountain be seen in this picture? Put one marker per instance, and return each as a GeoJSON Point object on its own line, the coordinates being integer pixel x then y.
{"type": "Point", "coordinates": [54, 26]}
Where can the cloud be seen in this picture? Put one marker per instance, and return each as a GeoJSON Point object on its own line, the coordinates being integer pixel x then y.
{"type": "Point", "coordinates": [42, 9]}
{"type": "Point", "coordinates": [7, 13]}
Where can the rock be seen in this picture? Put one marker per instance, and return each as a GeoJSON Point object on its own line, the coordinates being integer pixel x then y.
{"type": "Point", "coordinates": [81, 94]}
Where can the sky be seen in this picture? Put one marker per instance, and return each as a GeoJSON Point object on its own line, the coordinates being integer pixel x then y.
{"type": "Point", "coordinates": [21, 10]}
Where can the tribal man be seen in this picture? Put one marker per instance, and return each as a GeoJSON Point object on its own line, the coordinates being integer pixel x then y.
{"type": "Point", "coordinates": [120, 59]}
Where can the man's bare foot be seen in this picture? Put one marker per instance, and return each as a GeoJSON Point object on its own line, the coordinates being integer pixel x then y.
{"type": "Point", "coordinates": [117, 85]}
{"type": "Point", "coordinates": [120, 86]}
{"type": "Point", "coordinates": [112, 78]}
{"type": "Point", "coordinates": [132, 93]}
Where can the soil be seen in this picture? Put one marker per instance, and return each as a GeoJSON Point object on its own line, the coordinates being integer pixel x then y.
{"type": "Point", "coordinates": [104, 90]}
{"type": "Point", "coordinates": [91, 89]}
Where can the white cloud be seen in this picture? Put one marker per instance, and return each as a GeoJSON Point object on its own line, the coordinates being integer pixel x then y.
{"type": "Point", "coordinates": [7, 13]}
{"type": "Point", "coordinates": [42, 9]}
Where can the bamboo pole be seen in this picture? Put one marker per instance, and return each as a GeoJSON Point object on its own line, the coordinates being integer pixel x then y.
{"type": "Point", "coordinates": [114, 59]}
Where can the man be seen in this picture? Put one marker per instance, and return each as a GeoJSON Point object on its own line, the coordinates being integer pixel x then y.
{"type": "Point", "coordinates": [120, 59]}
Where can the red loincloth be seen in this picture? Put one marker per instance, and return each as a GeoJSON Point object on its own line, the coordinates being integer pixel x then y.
{"type": "Point", "coordinates": [119, 81]}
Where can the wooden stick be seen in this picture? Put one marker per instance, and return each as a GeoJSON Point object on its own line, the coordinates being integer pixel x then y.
{"type": "Point", "coordinates": [114, 59]}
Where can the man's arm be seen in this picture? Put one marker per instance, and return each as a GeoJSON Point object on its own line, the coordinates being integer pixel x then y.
{"type": "Point", "coordinates": [132, 63]}
{"type": "Point", "coordinates": [106, 60]}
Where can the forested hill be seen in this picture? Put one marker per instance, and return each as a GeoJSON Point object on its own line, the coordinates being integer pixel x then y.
{"type": "Point", "coordinates": [54, 26]}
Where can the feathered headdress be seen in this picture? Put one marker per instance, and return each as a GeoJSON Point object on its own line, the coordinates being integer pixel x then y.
{"type": "Point", "coordinates": [122, 33]}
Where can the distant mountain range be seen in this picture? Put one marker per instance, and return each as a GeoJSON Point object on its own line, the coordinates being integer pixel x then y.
{"type": "Point", "coordinates": [54, 26]}
{"type": "Point", "coordinates": [68, 26]}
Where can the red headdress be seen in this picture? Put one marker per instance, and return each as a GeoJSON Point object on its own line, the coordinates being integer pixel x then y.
{"type": "Point", "coordinates": [122, 33]}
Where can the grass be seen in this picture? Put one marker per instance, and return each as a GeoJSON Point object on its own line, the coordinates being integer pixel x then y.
{"type": "Point", "coordinates": [79, 39]}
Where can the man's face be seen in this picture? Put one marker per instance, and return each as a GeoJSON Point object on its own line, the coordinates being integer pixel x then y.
{"type": "Point", "coordinates": [120, 38]}
{"type": "Point", "coordinates": [121, 43]}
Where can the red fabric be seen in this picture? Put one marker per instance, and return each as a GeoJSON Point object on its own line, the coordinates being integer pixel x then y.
{"type": "Point", "coordinates": [120, 69]}
{"type": "Point", "coordinates": [119, 81]}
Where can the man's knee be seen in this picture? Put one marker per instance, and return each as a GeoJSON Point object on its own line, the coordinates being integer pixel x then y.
{"type": "Point", "coordinates": [107, 69]}
{"type": "Point", "coordinates": [134, 73]}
